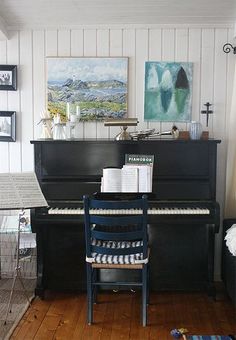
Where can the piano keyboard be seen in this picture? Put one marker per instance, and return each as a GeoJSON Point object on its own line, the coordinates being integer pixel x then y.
{"type": "Point", "coordinates": [151, 211]}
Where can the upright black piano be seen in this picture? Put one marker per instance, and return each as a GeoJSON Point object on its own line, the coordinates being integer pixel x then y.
{"type": "Point", "coordinates": [181, 231]}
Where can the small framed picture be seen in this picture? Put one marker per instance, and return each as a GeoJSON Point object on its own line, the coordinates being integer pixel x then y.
{"type": "Point", "coordinates": [8, 77]}
{"type": "Point", "coordinates": [7, 126]}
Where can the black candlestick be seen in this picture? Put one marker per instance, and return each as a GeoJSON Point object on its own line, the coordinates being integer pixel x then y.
{"type": "Point", "coordinates": [207, 112]}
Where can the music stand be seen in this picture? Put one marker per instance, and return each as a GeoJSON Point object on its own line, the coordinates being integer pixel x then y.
{"type": "Point", "coordinates": [19, 191]}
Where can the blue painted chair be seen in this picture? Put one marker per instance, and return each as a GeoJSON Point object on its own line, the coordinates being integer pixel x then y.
{"type": "Point", "coordinates": [118, 240]}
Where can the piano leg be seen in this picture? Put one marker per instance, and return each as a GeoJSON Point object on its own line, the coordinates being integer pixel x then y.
{"type": "Point", "coordinates": [40, 289]}
{"type": "Point", "coordinates": [210, 259]}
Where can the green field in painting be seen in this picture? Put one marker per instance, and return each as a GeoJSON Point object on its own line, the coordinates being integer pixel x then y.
{"type": "Point", "coordinates": [89, 111]}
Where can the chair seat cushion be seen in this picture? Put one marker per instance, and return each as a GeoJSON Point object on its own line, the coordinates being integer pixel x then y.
{"type": "Point", "coordinates": [116, 259]}
{"type": "Point", "coordinates": [116, 244]}
{"type": "Point", "coordinates": [136, 258]}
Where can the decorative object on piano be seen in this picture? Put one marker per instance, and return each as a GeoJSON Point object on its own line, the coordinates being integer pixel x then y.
{"type": "Point", "coordinates": [46, 122]}
{"type": "Point", "coordinates": [207, 112]}
{"type": "Point", "coordinates": [228, 48]}
{"type": "Point", "coordinates": [8, 77]}
{"type": "Point", "coordinates": [72, 124]}
{"type": "Point", "coordinates": [98, 84]}
{"type": "Point", "coordinates": [123, 123]}
{"type": "Point", "coordinates": [58, 128]}
{"type": "Point", "coordinates": [151, 133]}
{"type": "Point", "coordinates": [168, 91]}
{"type": "Point", "coordinates": [195, 130]}
{"type": "Point", "coordinates": [7, 126]}
{"type": "Point", "coordinates": [184, 135]}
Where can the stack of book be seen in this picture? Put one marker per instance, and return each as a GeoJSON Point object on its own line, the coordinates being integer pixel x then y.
{"type": "Point", "coordinates": [135, 176]}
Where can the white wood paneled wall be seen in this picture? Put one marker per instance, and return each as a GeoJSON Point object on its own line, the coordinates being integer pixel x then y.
{"type": "Point", "coordinates": [212, 80]}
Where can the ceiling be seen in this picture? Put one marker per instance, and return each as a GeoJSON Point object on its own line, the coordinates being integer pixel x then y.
{"type": "Point", "coordinates": [56, 13]}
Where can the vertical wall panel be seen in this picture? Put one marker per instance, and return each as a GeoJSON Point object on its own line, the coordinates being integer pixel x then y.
{"type": "Point", "coordinates": [168, 54]}
{"type": "Point", "coordinates": [129, 51]}
{"type": "Point", "coordinates": [39, 80]}
{"type": "Point", "coordinates": [77, 43]}
{"type": "Point", "coordinates": [141, 57]}
{"type": "Point", "coordinates": [26, 95]}
{"type": "Point", "coordinates": [77, 50]}
{"type": "Point", "coordinates": [103, 39]}
{"type": "Point", "coordinates": [90, 50]}
{"type": "Point", "coordinates": [195, 57]}
{"type": "Point", "coordinates": [116, 50]}
{"type": "Point", "coordinates": [64, 43]}
{"type": "Point", "coordinates": [155, 54]}
{"type": "Point", "coordinates": [14, 105]}
{"type": "Point", "coordinates": [103, 36]}
{"type": "Point", "coordinates": [4, 146]}
{"type": "Point", "coordinates": [230, 79]}
{"type": "Point", "coordinates": [181, 55]}
{"type": "Point", "coordinates": [207, 74]}
{"type": "Point", "coordinates": [220, 74]}
{"type": "Point", "coordinates": [51, 43]}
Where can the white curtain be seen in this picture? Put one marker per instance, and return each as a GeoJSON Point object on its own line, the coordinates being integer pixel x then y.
{"type": "Point", "coordinates": [230, 202]}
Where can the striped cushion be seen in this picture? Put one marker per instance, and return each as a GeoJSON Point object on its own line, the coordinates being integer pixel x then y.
{"type": "Point", "coordinates": [116, 244]}
{"type": "Point", "coordinates": [117, 259]}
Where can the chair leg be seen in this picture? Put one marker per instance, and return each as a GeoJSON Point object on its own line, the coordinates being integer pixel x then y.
{"type": "Point", "coordinates": [89, 295]}
{"type": "Point", "coordinates": [148, 284]}
{"type": "Point", "coordinates": [95, 288]}
{"type": "Point", "coordinates": [144, 295]}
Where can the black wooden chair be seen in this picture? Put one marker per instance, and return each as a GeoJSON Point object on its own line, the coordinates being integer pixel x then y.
{"type": "Point", "coordinates": [117, 240]}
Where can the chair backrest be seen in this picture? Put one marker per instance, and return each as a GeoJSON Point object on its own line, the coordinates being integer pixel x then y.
{"type": "Point", "coordinates": [127, 229]}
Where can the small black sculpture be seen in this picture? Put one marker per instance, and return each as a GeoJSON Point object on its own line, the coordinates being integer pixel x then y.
{"type": "Point", "coordinates": [207, 112]}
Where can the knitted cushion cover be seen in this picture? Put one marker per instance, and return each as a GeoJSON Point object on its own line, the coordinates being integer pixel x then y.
{"type": "Point", "coordinates": [117, 259]}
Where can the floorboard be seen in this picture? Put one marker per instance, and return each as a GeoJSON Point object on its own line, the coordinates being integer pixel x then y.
{"type": "Point", "coordinates": [118, 316]}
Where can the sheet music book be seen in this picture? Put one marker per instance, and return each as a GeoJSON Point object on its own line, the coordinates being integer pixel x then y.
{"type": "Point", "coordinates": [144, 178]}
{"type": "Point", "coordinates": [144, 164]}
{"type": "Point", "coordinates": [20, 191]}
{"type": "Point", "coordinates": [129, 179]}
{"type": "Point", "coordinates": [120, 180]}
{"type": "Point", "coordinates": [111, 180]}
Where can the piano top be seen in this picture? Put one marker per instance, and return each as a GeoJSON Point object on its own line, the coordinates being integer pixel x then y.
{"type": "Point", "coordinates": [146, 140]}
{"type": "Point", "coordinates": [183, 169]}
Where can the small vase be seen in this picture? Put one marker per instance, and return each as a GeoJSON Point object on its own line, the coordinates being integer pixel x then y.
{"type": "Point", "coordinates": [195, 130]}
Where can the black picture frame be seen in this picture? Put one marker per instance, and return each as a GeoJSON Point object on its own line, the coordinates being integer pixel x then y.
{"type": "Point", "coordinates": [7, 126]}
{"type": "Point", "coordinates": [8, 77]}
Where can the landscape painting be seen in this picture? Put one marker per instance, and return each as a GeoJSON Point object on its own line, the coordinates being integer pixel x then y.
{"type": "Point", "coordinates": [168, 91]}
{"type": "Point", "coordinates": [96, 88]}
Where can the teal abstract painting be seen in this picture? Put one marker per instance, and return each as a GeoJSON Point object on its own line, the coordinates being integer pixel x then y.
{"type": "Point", "coordinates": [168, 91]}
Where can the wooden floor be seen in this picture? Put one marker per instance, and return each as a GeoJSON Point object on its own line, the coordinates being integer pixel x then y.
{"type": "Point", "coordinates": [117, 316]}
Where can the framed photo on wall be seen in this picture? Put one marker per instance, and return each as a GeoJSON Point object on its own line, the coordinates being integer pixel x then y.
{"type": "Point", "coordinates": [94, 87]}
{"type": "Point", "coordinates": [8, 77]}
{"type": "Point", "coordinates": [7, 126]}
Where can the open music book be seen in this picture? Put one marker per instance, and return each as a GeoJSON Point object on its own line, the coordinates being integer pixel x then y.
{"type": "Point", "coordinates": [135, 176]}
{"type": "Point", "coordinates": [20, 191]}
